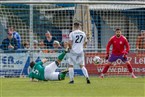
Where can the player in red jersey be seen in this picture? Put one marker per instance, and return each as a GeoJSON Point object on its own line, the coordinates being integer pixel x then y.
{"type": "Point", "coordinates": [120, 49]}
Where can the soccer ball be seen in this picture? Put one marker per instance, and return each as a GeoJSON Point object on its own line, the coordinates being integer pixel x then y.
{"type": "Point", "coordinates": [96, 59]}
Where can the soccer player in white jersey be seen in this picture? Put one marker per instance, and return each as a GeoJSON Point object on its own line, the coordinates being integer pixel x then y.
{"type": "Point", "coordinates": [77, 41]}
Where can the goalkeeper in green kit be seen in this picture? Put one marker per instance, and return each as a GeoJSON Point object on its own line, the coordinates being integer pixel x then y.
{"type": "Point", "coordinates": [39, 72]}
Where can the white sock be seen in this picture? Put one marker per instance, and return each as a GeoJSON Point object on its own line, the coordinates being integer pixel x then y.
{"type": "Point", "coordinates": [85, 72]}
{"type": "Point", "coordinates": [71, 73]}
{"type": "Point", "coordinates": [132, 74]}
{"type": "Point", "coordinates": [102, 74]}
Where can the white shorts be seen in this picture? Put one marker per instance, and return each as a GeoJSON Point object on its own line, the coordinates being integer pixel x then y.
{"type": "Point", "coordinates": [77, 59]}
{"type": "Point", "coordinates": [49, 72]}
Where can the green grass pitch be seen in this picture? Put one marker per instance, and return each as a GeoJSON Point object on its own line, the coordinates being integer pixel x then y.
{"type": "Point", "coordinates": [107, 87]}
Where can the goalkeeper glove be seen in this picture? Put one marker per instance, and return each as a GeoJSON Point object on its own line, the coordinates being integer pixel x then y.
{"type": "Point", "coordinates": [107, 56]}
{"type": "Point", "coordinates": [125, 54]}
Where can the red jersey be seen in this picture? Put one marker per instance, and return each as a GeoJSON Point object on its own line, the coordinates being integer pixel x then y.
{"type": "Point", "coordinates": [119, 45]}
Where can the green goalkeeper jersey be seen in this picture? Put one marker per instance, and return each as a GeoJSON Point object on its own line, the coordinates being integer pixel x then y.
{"type": "Point", "coordinates": [38, 71]}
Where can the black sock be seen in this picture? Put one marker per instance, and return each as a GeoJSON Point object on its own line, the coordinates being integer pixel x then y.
{"type": "Point", "coordinates": [59, 77]}
{"type": "Point", "coordinates": [56, 63]}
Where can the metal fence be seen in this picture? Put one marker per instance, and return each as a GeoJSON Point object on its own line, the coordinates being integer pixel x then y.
{"type": "Point", "coordinates": [35, 20]}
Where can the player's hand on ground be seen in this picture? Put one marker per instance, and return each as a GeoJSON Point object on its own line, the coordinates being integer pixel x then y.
{"type": "Point", "coordinates": [33, 80]}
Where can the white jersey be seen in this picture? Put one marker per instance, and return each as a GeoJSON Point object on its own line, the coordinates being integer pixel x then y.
{"type": "Point", "coordinates": [78, 39]}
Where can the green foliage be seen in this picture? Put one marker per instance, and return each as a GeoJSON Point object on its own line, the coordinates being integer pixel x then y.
{"type": "Point", "coordinates": [107, 87]}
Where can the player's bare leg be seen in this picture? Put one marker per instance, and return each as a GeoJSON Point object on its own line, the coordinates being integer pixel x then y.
{"type": "Point", "coordinates": [85, 72]}
{"type": "Point", "coordinates": [129, 66]}
{"type": "Point", "coordinates": [105, 70]}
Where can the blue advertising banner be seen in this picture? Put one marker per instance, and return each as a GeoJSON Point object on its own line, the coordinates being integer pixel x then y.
{"type": "Point", "coordinates": [17, 64]}
{"type": "Point", "coordinates": [14, 64]}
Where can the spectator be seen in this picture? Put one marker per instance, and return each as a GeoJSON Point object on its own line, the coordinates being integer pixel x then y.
{"type": "Point", "coordinates": [26, 46]}
{"type": "Point", "coordinates": [10, 43]}
{"type": "Point", "coordinates": [56, 47]}
{"type": "Point", "coordinates": [43, 47]}
{"type": "Point", "coordinates": [15, 35]}
{"type": "Point", "coordinates": [36, 46]}
{"type": "Point", "coordinates": [140, 42]}
{"type": "Point", "coordinates": [64, 45]}
{"type": "Point", "coordinates": [48, 41]}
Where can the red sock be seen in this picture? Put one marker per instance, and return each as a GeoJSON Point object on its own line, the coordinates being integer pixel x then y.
{"type": "Point", "coordinates": [129, 68]}
{"type": "Point", "coordinates": [106, 69]}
